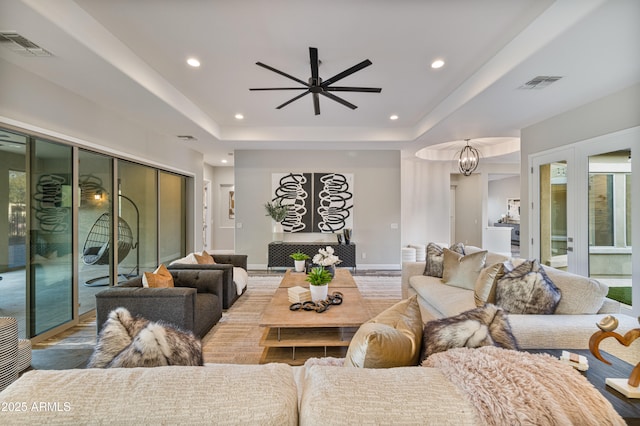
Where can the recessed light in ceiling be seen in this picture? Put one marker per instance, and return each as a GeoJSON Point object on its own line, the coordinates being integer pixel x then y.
{"type": "Point", "coordinates": [239, 116]}
{"type": "Point", "coordinates": [393, 117]}
{"type": "Point", "coordinates": [193, 62]}
{"type": "Point", "coordinates": [224, 161]}
{"type": "Point", "coordinates": [438, 63]}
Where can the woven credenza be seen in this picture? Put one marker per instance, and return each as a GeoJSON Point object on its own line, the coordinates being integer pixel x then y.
{"type": "Point", "coordinates": [279, 253]}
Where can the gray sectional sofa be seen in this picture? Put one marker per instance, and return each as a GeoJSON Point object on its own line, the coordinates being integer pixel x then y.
{"type": "Point", "coordinates": [195, 303]}
{"type": "Point", "coordinates": [582, 305]}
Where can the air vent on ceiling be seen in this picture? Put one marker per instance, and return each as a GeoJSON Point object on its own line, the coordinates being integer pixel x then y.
{"type": "Point", "coordinates": [21, 45]}
{"type": "Point", "coordinates": [186, 138]}
{"type": "Point", "coordinates": [540, 82]}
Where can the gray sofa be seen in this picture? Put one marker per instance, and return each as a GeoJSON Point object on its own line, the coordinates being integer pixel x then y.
{"type": "Point", "coordinates": [582, 305]}
{"type": "Point", "coordinates": [224, 263]}
{"type": "Point", "coordinates": [195, 303]}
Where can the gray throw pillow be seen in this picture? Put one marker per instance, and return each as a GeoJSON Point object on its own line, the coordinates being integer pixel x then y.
{"type": "Point", "coordinates": [527, 290]}
{"type": "Point", "coordinates": [484, 326]}
{"type": "Point", "coordinates": [435, 257]}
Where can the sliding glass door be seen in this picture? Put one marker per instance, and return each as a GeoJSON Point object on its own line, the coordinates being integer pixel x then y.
{"type": "Point", "coordinates": [95, 226]}
{"type": "Point", "coordinates": [51, 270]}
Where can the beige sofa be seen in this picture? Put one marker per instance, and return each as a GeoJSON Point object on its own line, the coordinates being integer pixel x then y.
{"type": "Point", "coordinates": [271, 394]}
{"type": "Point", "coordinates": [582, 305]}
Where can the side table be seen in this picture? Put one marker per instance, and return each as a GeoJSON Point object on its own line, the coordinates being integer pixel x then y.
{"type": "Point", "coordinates": [597, 373]}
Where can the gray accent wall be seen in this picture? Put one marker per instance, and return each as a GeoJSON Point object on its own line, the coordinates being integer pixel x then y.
{"type": "Point", "coordinates": [376, 211]}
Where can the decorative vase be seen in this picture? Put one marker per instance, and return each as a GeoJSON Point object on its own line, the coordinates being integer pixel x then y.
{"type": "Point", "coordinates": [331, 269]}
{"type": "Point", "coordinates": [278, 232]}
{"type": "Point", "coordinates": [347, 235]}
{"type": "Point", "coordinates": [319, 292]}
{"type": "Point", "coordinates": [299, 265]}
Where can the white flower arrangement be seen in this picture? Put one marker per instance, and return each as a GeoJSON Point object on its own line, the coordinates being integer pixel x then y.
{"type": "Point", "coordinates": [325, 257]}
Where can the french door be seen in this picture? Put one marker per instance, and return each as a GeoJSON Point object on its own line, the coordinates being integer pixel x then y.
{"type": "Point", "coordinates": [584, 213]}
{"type": "Point", "coordinates": [554, 230]}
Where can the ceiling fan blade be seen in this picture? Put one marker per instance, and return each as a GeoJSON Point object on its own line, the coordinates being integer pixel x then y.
{"type": "Point", "coordinates": [284, 74]}
{"type": "Point", "coordinates": [353, 89]}
{"type": "Point", "coordinates": [316, 103]}
{"type": "Point", "coordinates": [293, 99]}
{"type": "Point", "coordinates": [339, 100]}
{"type": "Point", "coordinates": [313, 58]}
{"type": "Point", "coordinates": [280, 88]}
{"type": "Point", "coordinates": [347, 72]}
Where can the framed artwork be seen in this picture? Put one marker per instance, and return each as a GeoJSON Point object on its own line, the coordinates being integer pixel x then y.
{"type": "Point", "coordinates": [513, 208]}
{"type": "Point", "coordinates": [318, 202]}
{"type": "Point", "coordinates": [227, 210]}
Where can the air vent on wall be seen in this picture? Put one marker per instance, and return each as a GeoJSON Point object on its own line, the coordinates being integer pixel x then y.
{"type": "Point", "coordinates": [21, 45]}
{"type": "Point", "coordinates": [540, 82]}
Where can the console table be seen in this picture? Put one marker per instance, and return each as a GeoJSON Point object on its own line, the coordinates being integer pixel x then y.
{"type": "Point", "coordinates": [279, 253]}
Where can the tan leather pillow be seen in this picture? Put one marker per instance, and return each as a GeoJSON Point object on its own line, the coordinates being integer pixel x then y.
{"type": "Point", "coordinates": [462, 271]}
{"type": "Point", "coordinates": [204, 258]}
{"type": "Point", "coordinates": [391, 339]}
{"type": "Point", "coordinates": [485, 287]}
{"type": "Point", "coordinates": [160, 278]}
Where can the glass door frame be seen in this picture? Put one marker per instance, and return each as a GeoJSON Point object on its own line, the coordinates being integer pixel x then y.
{"type": "Point", "coordinates": [557, 155]}
{"type": "Point", "coordinates": [577, 157]}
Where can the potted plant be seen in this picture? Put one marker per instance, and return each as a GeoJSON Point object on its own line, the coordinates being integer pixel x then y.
{"type": "Point", "coordinates": [299, 259]}
{"type": "Point", "coordinates": [319, 279]}
{"type": "Point", "coordinates": [327, 259]}
{"type": "Point", "coordinates": [277, 212]}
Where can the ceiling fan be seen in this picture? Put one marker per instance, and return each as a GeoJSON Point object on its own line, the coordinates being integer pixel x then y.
{"type": "Point", "coordinates": [317, 87]}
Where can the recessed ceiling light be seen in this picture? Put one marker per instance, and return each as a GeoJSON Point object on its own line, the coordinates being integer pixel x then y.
{"type": "Point", "coordinates": [393, 117]}
{"type": "Point", "coordinates": [193, 62]}
{"type": "Point", "coordinates": [239, 116]}
{"type": "Point", "coordinates": [438, 63]}
{"type": "Point", "coordinates": [224, 161]}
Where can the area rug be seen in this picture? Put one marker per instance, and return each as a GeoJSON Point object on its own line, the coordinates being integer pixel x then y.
{"type": "Point", "coordinates": [236, 338]}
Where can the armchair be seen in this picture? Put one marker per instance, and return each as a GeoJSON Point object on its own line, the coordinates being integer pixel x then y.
{"type": "Point", "coordinates": [195, 303]}
{"type": "Point", "coordinates": [224, 263]}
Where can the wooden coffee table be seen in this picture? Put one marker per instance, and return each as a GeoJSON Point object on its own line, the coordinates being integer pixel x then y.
{"type": "Point", "coordinates": [286, 330]}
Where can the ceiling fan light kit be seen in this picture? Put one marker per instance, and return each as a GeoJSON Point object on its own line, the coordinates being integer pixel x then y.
{"type": "Point", "coordinates": [316, 86]}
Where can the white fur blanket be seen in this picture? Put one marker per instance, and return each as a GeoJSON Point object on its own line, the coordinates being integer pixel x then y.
{"type": "Point", "coordinates": [509, 387]}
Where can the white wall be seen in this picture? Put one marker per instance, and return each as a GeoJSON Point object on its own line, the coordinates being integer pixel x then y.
{"type": "Point", "coordinates": [425, 201]}
{"type": "Point", "coordinates": [376, 200]}
{"type": "Point", "coordinates": [32, 103]}
{"type": "Point", "coordinates": [605, 116]}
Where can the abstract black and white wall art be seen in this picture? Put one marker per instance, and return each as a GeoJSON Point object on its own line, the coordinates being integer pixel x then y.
{"type": "Point", "coordinates": [320, 202]}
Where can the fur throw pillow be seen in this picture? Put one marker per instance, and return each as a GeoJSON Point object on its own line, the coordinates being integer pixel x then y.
{"type": "Point", "coordinates": [435, 257]}
{"type": "Point", "coordinates": [485, 326]}
{"type": "Point", "coordinates": [128, 341]}
{"type": "Point", "coordinates": [527, 290]}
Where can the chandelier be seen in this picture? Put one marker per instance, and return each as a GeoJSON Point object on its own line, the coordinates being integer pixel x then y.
{"type": "Point", "coordinates": [468, 159]}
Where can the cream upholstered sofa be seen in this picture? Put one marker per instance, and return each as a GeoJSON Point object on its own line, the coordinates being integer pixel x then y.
{"type": "Point", "coordinates": [270, 394]}
{"type": "Point", "coordinates": [583, 303]}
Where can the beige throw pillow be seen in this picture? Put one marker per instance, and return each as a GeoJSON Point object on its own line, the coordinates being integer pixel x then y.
{"type": "Point", "coordinates": [204, 258]}
{"type": "Point", "coordinates": [462, 271]}
{"type": "Point", "coordinates": [160, 278]}
{"type": "Point", "coordinates": [433, 265]}
{"type": "Point", "coordinates": [485, 286]}
{"type": "Point", "coordinates": [391, 339]}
